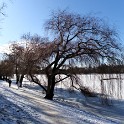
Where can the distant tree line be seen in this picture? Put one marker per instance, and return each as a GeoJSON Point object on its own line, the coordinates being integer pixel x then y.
{"type": "Point", "coordinates": [102, 69]}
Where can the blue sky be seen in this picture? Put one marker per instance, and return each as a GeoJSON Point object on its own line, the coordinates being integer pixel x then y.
{"type": "Point", "coordinates": [29, 15]}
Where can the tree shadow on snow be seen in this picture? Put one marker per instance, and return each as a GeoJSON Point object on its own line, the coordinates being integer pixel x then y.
{"type": "Point", "coordinates": [95, 105]}
{"type": "Point", "coordinates": [11, 113]}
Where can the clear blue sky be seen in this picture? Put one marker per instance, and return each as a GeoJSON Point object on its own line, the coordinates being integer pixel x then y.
{"type": "Point", "coordinates": [29, 15]}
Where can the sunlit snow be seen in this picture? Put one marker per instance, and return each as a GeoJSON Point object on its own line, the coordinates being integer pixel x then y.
{"type": "Point", "coordinates": [27, 106]}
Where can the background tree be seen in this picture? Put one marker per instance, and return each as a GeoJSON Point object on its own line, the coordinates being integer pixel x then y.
{"type": "Point", "coordinates": [2, 6]}
{"type": "Point", "coordinates": [16, 58]}
{"type": "Point", "coordinates": [36, 52]}
{"type": "Point", "coordinates": [6, 69]}
{"type": "Point", "coordinates": [27, 57]}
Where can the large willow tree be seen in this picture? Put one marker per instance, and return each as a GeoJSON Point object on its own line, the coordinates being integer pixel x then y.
{"type": "Point", "coordinates": [78, 40]}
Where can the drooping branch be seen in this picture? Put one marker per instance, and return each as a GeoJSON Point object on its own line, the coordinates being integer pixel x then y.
{"type": "Point", "coordinates": [37, 82]}
{"type": "Point", "coordinates": [62, 79]}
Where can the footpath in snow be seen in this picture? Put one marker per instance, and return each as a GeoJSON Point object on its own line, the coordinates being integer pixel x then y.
{"type": "Point", "coordinates": [27, 106]}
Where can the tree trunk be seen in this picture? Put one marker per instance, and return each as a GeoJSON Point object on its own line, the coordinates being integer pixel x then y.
{"type": "Point", "coordinates": [17, 78]}
{"type": "Point", "coordinates": [0, 77]}
{"type": "Point", "coordinates": [21, 79]}
{"type": "Point", "coordinates": [17, 75]}
{"type": "Point", "coordinates": [50, 87]}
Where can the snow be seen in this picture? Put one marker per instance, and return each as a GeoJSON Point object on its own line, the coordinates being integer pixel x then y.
{"type": "Point", "coordinates": [27, 106]}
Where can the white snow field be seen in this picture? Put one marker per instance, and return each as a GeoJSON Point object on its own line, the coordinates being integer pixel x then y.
{"type": "Point", "coordinates": [27, 106]}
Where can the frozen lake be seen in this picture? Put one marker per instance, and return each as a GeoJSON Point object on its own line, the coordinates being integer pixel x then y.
{"type": "Point", "coordinates": [109, 84]}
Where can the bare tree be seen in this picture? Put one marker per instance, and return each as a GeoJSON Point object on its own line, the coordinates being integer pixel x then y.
{"type": "Point", "coordinates": [15, 58]}
{"type": "Point", "coordinates": [27, 57]}
{"type": "Point", "coordinates": [78, 40]}
{"type": "Point", "coordinates": [36, 53]}
{"type": "Point", "coordinates": [6, 69]}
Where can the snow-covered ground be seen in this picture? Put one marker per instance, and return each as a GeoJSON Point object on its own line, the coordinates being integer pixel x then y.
{"type": "Point", "coordinates": [27, 106]}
